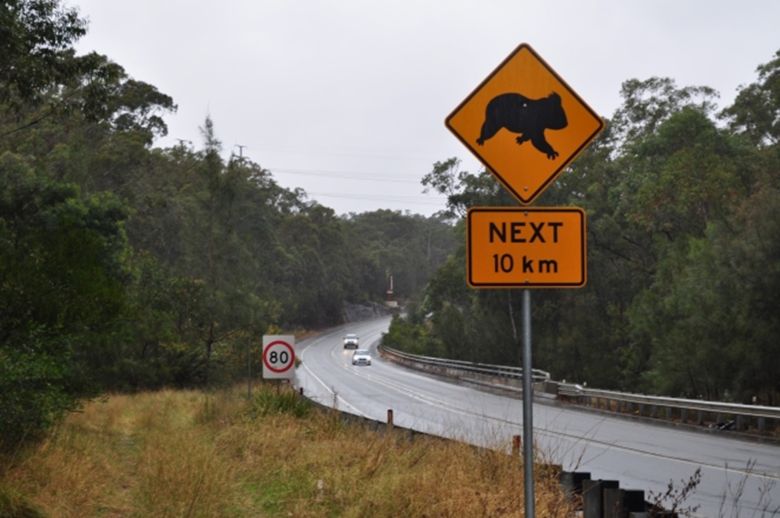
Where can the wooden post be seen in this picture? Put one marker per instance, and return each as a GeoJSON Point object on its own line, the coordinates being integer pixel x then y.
{"type": "Point", "coordinates": [517, 443]}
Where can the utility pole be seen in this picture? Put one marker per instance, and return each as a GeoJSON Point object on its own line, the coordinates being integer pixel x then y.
{"type": "Point", "coordinates": [240, 151]}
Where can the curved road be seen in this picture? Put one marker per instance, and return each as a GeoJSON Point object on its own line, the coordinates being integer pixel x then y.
{"type": "Point", "coordinates": [739, 478]}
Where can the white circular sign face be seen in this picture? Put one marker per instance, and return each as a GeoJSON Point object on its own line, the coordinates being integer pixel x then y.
{"type": "Point", "coordinates": [278, 358]}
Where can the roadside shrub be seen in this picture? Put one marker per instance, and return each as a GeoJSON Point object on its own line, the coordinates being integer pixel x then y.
{"type": "Point", "coordinates": [269, 401]}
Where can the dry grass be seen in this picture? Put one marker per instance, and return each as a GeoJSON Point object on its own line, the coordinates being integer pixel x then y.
{"type": "Point", "coordinates": [185, 453]}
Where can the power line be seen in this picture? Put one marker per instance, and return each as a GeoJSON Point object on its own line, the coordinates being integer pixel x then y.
{"type": "Point", "coordinates": [347, 175]}
{"type": "Point", "coordinates": [321, 152]}
{"type": "Point", "coordinates": [417, 200]}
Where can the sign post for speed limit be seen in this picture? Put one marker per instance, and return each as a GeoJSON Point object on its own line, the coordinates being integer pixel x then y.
{"type": "Point", "coordinates": [278, 356]}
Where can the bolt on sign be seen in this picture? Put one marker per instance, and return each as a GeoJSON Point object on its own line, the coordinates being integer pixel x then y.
{"type": "Point", "coordinates": [541, 247]}
{"type": "Point", "coordinates": [524, 123]}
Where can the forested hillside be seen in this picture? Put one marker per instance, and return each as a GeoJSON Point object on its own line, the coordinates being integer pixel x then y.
{"type": "Point", "coordinates": [683, 205]}
{"type": "Point", "coordinates": [126, 266]}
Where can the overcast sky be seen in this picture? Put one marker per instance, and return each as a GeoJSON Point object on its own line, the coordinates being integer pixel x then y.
{"type": "Point", "coordinates": [347, 99]}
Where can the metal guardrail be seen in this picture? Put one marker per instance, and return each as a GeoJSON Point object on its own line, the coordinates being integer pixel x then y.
{"type": "Point", "coordinates": [487, 369]}
{"type": "Point", "coordinates": [756, 411]}
{"type": "Point", "coordinates": [712, 414]}
{"type": "Point", "coordinates": [571, 390]}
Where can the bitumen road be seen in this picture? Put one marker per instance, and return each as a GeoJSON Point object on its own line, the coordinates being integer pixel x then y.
{"type": "Point", "coordinates": [738, 477]}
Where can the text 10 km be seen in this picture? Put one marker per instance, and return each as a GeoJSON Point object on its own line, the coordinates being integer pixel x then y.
{"type": "Point", "coordinates": [505, 263]}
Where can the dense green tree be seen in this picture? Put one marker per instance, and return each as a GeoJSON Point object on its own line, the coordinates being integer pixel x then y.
{"type": "Point", "coordinates": [756, 110]}
{"type": "Point", "coordinates": [407, 246]}
{"type": "Point", "coordinates": [714, 327]}
{"type": "Point", "coordinates": [125, 266]}
{"type": "Point", "coordinates": [36, 53]}
{"type": "Point", "coordinates": [62, 271]}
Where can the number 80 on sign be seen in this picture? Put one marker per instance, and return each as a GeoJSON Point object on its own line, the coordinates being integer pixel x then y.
{"type": "Point", "coordinates": [278, 356]}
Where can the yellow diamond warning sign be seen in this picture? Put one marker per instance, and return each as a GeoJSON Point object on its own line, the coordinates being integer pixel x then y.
{"type": "Point", "coordinates": [524, 123]}
{"type": "Point", "coordinates": [526, 247]}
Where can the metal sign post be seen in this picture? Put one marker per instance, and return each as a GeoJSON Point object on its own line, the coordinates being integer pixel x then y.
{"type": "Point", "coordinates": [528, 398]}
{"type": "Point", "coordinates": [526, 125]}
{"type": "Point", "coordinates": [249, 370]}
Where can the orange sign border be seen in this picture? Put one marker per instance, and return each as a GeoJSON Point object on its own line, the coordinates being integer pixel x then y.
{"type": "Point", "coordinates": [554, 175]}
{"type": "Point", "coordinates": [583, 239]}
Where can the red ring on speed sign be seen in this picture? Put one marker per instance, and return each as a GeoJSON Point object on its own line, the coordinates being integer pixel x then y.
{"type": "Point", "coordinates": [268, 349]}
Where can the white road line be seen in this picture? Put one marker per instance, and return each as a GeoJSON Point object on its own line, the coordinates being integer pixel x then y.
{"type": "Point", "coordinates": [338, 398]}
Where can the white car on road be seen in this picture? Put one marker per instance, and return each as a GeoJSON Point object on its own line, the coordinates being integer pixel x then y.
{"type": "Point", "coordinates": [351, 341]}
{"type": "Point", "coordinates": [361, 357]}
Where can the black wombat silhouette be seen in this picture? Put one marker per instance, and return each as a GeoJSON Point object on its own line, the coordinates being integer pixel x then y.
{"type": "Point", "coordinates": [528, 117]}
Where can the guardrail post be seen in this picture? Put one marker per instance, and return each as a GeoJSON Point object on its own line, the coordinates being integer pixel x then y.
{"type": "Point", "coordinates": [593, 496]}
{"type": "Point", "coordinates": [740, 422]}
{"type": "Point", "coordinates": [762, 424]}
{"type": "Point", "coordinates": [390, 419]}
{"type": "Point", "coordinates": [613, 502]}
{"type": "Point", "coordinates": [571, 481]}
{"type": "Point", "coordinates": [619, 502]}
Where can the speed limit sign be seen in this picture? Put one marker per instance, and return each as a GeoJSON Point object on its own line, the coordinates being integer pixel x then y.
{"type": "Point", "coordinates": [278, 356]}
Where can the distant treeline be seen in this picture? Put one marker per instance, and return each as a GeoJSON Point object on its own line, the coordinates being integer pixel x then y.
{"type": "Point", "coordinates": [124, 266]}
{"type": "Point", "coordinates": [683, 293]}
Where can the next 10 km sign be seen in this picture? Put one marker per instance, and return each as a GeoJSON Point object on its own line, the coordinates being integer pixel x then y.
{"type": "Point", "coordinates": [526, 247]}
